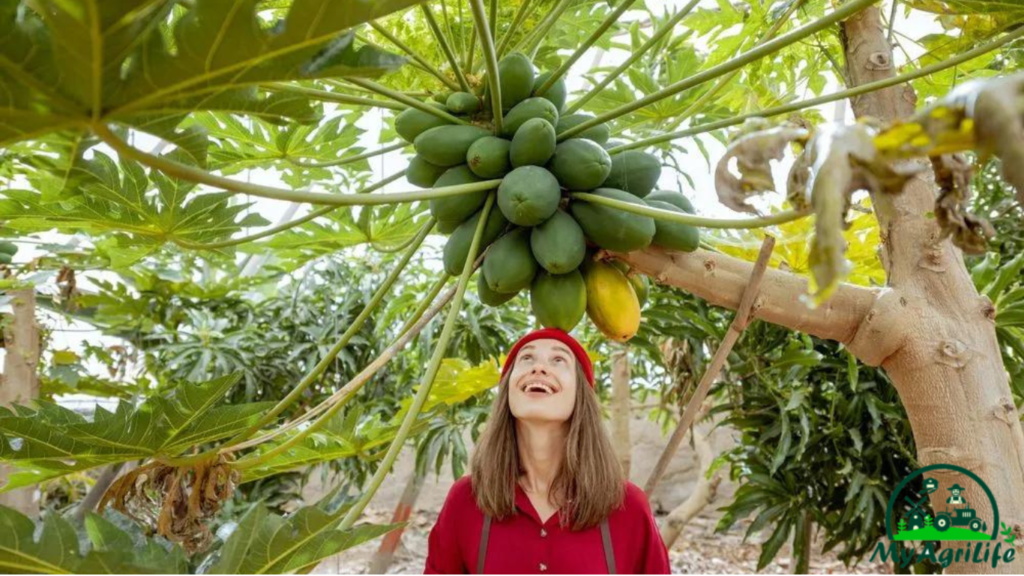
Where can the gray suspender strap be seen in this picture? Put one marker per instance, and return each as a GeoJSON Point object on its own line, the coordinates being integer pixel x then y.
{"type": "Point", "coordinates": [482, 553]}
{"type": "Point", "coordinates": [609, 552]}
{"type": "Point", "coordinates": [606, 539]}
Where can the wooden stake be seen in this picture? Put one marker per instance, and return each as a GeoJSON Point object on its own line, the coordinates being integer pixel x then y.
{"type": "Point", "coordinates": [739, 323]}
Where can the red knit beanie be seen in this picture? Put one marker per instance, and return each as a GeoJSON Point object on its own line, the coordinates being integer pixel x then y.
{"type": "Point", "coordinates": [555, 334]}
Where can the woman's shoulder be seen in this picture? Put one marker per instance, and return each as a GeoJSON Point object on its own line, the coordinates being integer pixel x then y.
{"type": "Point", "coordinates": [461, 491]}
{"type": "Point", "coordinates": [635, 500]}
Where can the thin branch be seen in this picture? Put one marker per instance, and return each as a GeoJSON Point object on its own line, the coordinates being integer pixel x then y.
{"type": "Point", "coordinates": [526, 42]}
{"type": "Point", "coordinates": [655, 38]}
{"type": "Point", "coordinates": [603, 27]}
{"type": "Point", "coordinates": [414, 55]}
{"type": "Point", "coordinates": [521, 14]}
{"type": "Point", "coordinates": [736, 327]}
{"type": "Point", "coordinates": [494, 20]}
{"type": "Point", "coordinates": [343, 341]}
{"type": "Point", "coordinates": [441, 347]}
{"type": "Point", "coordinates": [452, 61]}
{"type": "Point", "coordinates": [411, 102]}
{"type": "Point", "coordinates": [313, 215]}
{"type": "Point", "coordinates": [490, 59]}
{"type": "Point", "coordinates": [325, 96]}
{"type": "Point", "coordinates": [856, 91]}
{"type": "Point", "coordinates": [470, 52]}
{"type": "Point", "coordinates": [892, 19]}
{"type": "Point", "coordinates": [691, 219]}
{"type": "Point", "coordinates": [845, 11]}
{"type": "Point", "coordinates": [191, 174]}
{"type": "Point", "coordinates": [538, 40]}
{"type": "Point", "coordinates": [348, 159]}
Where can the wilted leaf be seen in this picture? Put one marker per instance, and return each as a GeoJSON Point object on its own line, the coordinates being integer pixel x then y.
{"type": "Point", "coordinates": [753, 153]}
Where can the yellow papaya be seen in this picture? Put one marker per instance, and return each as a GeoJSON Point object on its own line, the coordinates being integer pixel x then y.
{"type": "Point", "coordinates": [612, 303]}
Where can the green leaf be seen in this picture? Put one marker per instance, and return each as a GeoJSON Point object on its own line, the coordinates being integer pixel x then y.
{"type": "Point", "coordinates": [770, 548]}
{"type": "Point", "coordinates": [65, 63]}
{"type": "Point", "coordinates": [51, 441]}
{"type": "Point", "coordinates": [263, 543]}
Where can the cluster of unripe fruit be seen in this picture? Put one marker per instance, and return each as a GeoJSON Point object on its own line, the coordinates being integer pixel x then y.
{"type": "Point", "coordinates": [537, 237]}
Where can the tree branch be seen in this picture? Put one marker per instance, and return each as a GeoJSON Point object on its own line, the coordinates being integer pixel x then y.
{"type": "Point", "coordinates": [720, 279]}
{"type": "Point", "coordinates": [414, 55]}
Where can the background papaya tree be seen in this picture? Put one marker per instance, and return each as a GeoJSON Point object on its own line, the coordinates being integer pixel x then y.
{"type": "Point", "coordinates": [121, 72]}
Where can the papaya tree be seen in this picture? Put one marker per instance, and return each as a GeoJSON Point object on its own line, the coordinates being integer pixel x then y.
{"type": "Point", "coordinates": [130, 122]}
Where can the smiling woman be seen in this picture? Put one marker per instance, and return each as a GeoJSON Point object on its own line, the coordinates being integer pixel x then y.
{"type": "Point", "coordinates": [546, 493]}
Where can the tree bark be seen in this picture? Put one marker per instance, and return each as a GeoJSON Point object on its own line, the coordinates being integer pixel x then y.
{"type": "Point", "coordinates": [403, 510]}
{"type": "Point", "coordinates": [621, 408]}
{"type": "Point", "coordinates": [929, 329]}
{"type": "Point", "coordinates": [704, 493]}
{"type": "Point", "coordinates": [20, 384]}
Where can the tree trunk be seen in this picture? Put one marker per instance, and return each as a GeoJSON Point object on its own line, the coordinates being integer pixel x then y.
{"type": "Point", "coordinates": [929, 329]}
{"type": "Point", "coordinates": [403, 510]}
{"type": "Point", "coordinates": [947, 368]}
{"type": "Point", "coordinates": [19, 384]}
{"type": "Point", "coordinates": [704, 492]}
{"type": "Point", "coordinates": [621, 408]}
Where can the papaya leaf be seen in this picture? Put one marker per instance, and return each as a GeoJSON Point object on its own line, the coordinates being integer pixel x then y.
{"type": "Point", "coordinates": [752, 153]}
{"type": "Point", "coordinates": [264, 543]}
{"type": "Point", "coordinates": [67, 63]}
{"type": "Point", "coordinates": [57, 548]}
{"type": "Point", "coordinates": [118, 198]}
{"type": "Point", "coordinates": [457, 381]}
{"type": "Point", "coordinates": [50, 441]}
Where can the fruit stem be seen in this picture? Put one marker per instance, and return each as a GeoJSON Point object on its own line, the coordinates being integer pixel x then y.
{"type": "Point", "coordinates": [445, 47]}
{"type": "Point", "coordinates": [841, 95]}
{"type": "Point", "coordinates": [691, 219]}
{"type": "Point", "coordinates": [490, 59]}
{"type": "Point", "coordinates": [846, 10]}
{"type": "Point", "coordinates": [325, 96]}
{"type": "Point", "coordinates": [532, 40]}
{"type": "Point", "coordinates": [607, 23]}
{"type": "Point", "coordinates": [655, 38]}
{"type": "Point", "coordinates": [192, 174]}
{"type": "Point", "coordinates": [521, 15]}
{"type": "Point", "coordinates": [343, 341]}
{"type": "Point", "coordinates": [411, 102]}
{"type": "Point", "coordinates": [415, 55]}
{"type": "Point", "coordinates": [432, 368]}
{"type": "Point", "coordinates": [348, 159]}
{"type": "Point", "coordinates": [282, 227]}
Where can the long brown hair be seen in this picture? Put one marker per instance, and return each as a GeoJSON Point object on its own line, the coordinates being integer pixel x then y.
{"type": "Point", "coordinates": [589, 484]}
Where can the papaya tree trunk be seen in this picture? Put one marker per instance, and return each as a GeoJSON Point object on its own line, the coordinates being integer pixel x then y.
{"type": "Point", "coordinates": [403, 510]}
{"type": "Point", "coordinates": [929, 329]}
{"type": "Point", "coordinates": [621, 408]}
{"type": "Point", "coordinates": [20, 384]}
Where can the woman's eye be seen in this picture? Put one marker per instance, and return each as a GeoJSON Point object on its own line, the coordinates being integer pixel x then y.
{"type": "Point", "coordinates": [560, 359]}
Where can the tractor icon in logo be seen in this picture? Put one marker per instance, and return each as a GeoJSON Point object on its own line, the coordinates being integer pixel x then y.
{"type": "Point", "coordinates": [958, 521]}
{"type": "Point", "coordinates": [959, 516]}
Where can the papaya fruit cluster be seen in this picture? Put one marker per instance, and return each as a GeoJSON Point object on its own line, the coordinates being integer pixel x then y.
{"type": "Point", "coordinates": [538, 238]}
{"type": "Point", "coordinates": [7, 252]}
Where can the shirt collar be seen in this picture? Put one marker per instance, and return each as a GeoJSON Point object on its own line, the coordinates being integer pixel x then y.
{"type": "Point", "coordinates": [524, 504]}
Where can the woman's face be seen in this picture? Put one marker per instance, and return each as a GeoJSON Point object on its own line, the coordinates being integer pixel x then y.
{"type": "Point", "coordinates": [543, 382]}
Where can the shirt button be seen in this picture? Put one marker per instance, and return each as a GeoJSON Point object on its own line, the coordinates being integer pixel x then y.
{"type": "Point", "coordinates": [543, 532]}
{"type": "Point", "coordinates": [543, 567]}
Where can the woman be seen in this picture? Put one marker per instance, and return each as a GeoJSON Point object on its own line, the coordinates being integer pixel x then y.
{"type": "Point", "coordinates": [546, 494]}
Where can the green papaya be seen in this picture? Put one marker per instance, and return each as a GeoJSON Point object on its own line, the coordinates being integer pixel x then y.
{"type": "Point", "coordinates": [611, 228]}
{"type": "Point", "coordinates": [509, 265]}
{"type": "Point", "coordinates": [488, 296]}
{"type": "Point", "coordinates": [488, 157]}
{"type": "Point", "coordinates": [528, 195]}
{"type": "Point", "coordinates": [447, 145]}
{"type": "Point", "coordinates": [580, 164]}
{"type": "Point", "coordinates": [422, 173]}
{"type": "Point", "coordinates": [635, 172]}
{"type": "Point", "coordinates": [674, 198]}
{"type": "Point", "coordinates": [533, 144]}
{"type": "Point", "coordinates": [9, 248]}
{"type": "Point", "coordinates": [559, 300]}
{"type": "Point", "coordinates": [556, 94]}
{"type": "Point", "coordinates": [639, 281]}
{"type": "Point", "coordinates": [413, 122]}
{"type": "Point", "coordinates": [457, 249]}
{"type": "Point", "coordinates": [463, 103]}
{"type": "Point", "coordinates": [455, 209]}
{"type": "Point", "coordinates": [558, 243]}
{"type": "Point", "coordinates": [527, 110]}
{"type": "Point", "coordinates": [599, 133]}
{"type": "Point", "coordinates": [516, 73]}
{"type": "Point", "coordinates": [673, 235]}
{"type": "Point", "coordinates": [447, 227]}
{"type": "Point", "coordinates": [441, 97]}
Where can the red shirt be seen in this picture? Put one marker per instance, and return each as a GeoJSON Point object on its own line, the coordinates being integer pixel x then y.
{"type": "Point", "coordinates": [522, 544]}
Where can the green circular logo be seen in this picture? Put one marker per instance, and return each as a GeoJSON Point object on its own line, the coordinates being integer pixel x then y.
{"type": "Point", "coordinates": [946, 517]}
